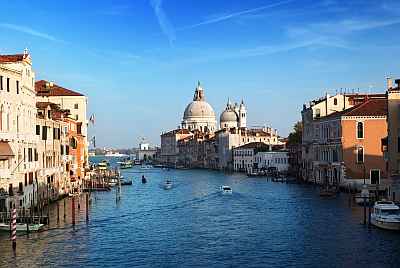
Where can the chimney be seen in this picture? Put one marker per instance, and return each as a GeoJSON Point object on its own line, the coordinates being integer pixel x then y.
{"type": "Point", "coordinates": [389, 82]}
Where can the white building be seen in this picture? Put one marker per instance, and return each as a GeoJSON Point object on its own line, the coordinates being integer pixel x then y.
{"type": "Point", "coordinates": [228, 139]}
{"type": "Point", "coordinates": [276, 159]}
{"type": "Point", "coordinates": [259, 156]}
{"type": "Point", "coordinates": [145, 152]}
{"type": "Point", "coordinates": [18, 164]}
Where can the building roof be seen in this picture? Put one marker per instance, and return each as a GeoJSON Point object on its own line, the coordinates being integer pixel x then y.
{"type": "Point", "coordinates": [45, 88]}
{"type": "Point", "coordinates": [371, 107]}
{"type": "Point", "coordinates": [11, 58]}
{"type": "Point", "coordinates": [257, 146]}
{"type": "Point", "coordinates": [177, 131]}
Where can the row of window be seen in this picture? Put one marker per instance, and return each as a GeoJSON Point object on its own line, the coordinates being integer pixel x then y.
{"type": "Point", "coordinates": [243, 153]}
{"type": "Point", "coordinates": [56, 132]}
{"type": "Point", "coordinates": [5, 84]}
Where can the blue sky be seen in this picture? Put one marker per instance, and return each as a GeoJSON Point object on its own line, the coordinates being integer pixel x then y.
{"type": "Point", "coordinates": [139, 61]}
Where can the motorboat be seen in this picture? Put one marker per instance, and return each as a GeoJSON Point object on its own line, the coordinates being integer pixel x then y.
{"type": "Point", "coordinates": [126, 164]}
{"type": "Point", "coordinates": [146, 167]}
{"type": "Point", "coordinates": [103, 165]}
{"type": "Point", "coordinates": [116, 154]}
{"type": "Point", "coordinates": [21, 227]}
{"type": "Point", "coordinates": [126, 182]}
{"type": "Point", "coordinates": [226, 189]}
{"type": "Point", "coordinates": [386, 215]}
{"type": "Point", "coordinates": [167, 185]}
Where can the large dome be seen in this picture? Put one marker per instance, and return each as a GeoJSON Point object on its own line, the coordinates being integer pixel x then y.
{"type": "Point", "coordinates": [198, 109]}
{"type": "Point", "coordinates": [199, 115]}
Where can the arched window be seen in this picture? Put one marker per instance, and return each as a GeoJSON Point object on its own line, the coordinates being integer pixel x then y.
{"type": "Point", "coordinates": [360, 130]}
{"type": "Point", "coordinates": [360, 155]}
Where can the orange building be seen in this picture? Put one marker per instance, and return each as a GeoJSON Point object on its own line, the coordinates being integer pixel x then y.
{"type": "Point", "coordinates": [348, 144]}
{"type": "Point", "coordinates": [76, 152]}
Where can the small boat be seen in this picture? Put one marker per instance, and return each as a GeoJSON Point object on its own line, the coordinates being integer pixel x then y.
{"type": "Point", "coordinates": [226, 189]}
{"type": "Point", "coordinates": [146, 167]}
{"type": "Point", "coordinates": [103, 165]}
{"type": "Point", "coordinates": [144, 179]}
{"type": "Point", "coordinates": [167, 185]}
{"type": "Point", "coordinates": [124, 182]}
{"type": "Point", "coordinates": [386, 215]}
{"type": "Point", "coordinates": [21, 227]}
{"type": "Point", "coordinates": [126, 164]}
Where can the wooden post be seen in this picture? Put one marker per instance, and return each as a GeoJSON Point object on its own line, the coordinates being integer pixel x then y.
{"type": "Point", "coordinates": [369, 214]}
{"type": "Point", "coordinates": [48, 206]}
{"type": "Point", "coordinates": [365, 210]}
{"type": "Point", "coordinates": [65, 214]}
{"type": "Point", "coordinates": [58, 212]}
{"type": "Point", "coordinates": [87, 207]}
{"type": "Point", "coordinates": [73, 210]}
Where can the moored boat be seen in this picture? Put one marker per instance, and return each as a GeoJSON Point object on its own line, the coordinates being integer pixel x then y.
{"type": "Point", "coordinates": [21, 227]}
{"type": "Point", "coordinates": [126, 164]}
{"type": "Point", "coordinates": [386, 215]}
{"type": "Point", "coordinates": [126, 182]}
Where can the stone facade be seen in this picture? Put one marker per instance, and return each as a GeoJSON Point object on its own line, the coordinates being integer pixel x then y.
{"type": "Point", "coordinates": [34, 159]}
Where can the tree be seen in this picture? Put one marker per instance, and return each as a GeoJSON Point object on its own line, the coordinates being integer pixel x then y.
{"type": "Point", "coordinates": [295, 136]}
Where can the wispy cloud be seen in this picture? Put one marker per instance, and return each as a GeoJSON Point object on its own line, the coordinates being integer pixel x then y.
{"type": "Point", "coordinates": [30, 31]}
{"type": "Point", "coordinates": [335, 33]}
{"type": "Point", "coordinates": [234, 14]}
{"type": "Point", "coordinates": [165, 24]}
{"type": "Point", "coordinates": [258, 51]}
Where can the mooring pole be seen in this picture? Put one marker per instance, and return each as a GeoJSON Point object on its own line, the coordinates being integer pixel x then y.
{"type": "Point", "coordinates": [87, 207]}
{"type": "Point", "coordinates": [365, 210]}
{"type": "Point", "coordinates": [369, 215]}
{"type": "Point", "coordinates": [65, 214]}
{"type": "Point", "coordinates": [58, 212]}
{"type": "Point", "coordinates": [73, 210]}
{"type": "Point", "coordinates": [14, 230]}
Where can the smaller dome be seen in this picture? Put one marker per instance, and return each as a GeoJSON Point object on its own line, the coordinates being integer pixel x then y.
{"type": "Point", "coordinates": [228, 116]}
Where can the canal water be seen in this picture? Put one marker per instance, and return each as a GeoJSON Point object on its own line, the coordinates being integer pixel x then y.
{"type": "Point", "coordinates": [262, 224]}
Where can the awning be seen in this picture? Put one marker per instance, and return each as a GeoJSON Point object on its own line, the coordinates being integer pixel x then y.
{"type": "Point", "coordinates": [5, 151]}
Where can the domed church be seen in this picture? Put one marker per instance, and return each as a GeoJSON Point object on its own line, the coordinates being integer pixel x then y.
{"type": "Point", "coordinates": [233, 116]}
{"type": "Point", "coordinates": [199, 115]}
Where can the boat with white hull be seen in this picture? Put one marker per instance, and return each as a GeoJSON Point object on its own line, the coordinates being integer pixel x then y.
{"type": "Point", "coordinates": [21, 227]}
{"type": "Point", "coordinates": [386, 215]}
{"type": "Point", "coordinates": [226, 189]}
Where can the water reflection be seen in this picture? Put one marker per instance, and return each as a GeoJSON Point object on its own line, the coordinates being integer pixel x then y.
{"type": "Point", "coordinates": [262, 223]}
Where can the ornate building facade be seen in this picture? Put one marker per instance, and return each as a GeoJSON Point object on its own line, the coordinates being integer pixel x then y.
{"type": "Point", "coordinates": [199, 143]}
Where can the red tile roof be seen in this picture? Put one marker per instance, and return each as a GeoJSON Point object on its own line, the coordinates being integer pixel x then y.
{"type": "Point", "coordinates": [43, 88]}
{"type": "Point", "coordinates": [371, 107]}
{"type": "Point", "coordinates": [11, 58]}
